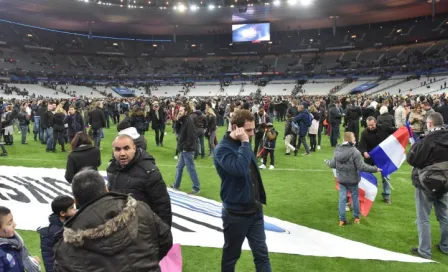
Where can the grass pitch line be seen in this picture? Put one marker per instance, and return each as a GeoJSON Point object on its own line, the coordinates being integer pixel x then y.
{"type": "Point", "coordinates": [212, 167]}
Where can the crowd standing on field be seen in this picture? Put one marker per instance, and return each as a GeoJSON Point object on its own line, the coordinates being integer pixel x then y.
{"type": "Point", "coordinates": [136, 198]}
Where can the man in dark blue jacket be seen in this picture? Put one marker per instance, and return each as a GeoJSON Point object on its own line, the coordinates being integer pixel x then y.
{"type": "Point", "coordinates": [242, 194]}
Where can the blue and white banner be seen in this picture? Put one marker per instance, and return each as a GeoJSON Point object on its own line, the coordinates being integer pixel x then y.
{"type": "Point", "coordinates": [28, 192]}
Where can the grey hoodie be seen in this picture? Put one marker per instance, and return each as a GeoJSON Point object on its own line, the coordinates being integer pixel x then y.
{"type": "Point", "coordinates": [348, 162]}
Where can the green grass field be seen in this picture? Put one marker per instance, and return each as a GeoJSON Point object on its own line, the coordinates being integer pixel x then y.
{"type": "Point", "coordinates": [305, 196]}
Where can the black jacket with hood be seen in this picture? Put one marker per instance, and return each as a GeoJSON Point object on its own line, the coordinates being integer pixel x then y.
{"type": "Point", "coordinates": [187, 137]}
{"type": "Point", "coordinates": [114, 232]}
{"type": "Point", "coordinates": [430, 150]}
{"type": "Point", "coordinates": [142, 180]}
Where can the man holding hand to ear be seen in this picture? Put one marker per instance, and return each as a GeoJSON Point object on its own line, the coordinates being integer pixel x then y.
{"type": "Point", "coordinates": [242, 194]}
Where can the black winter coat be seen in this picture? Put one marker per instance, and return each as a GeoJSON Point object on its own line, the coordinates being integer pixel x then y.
{"type": "Point", "coordinates": [199, 120]}
{"type": "Point", "coordinates": [386, 119]}
{"type": "Point", "coordinates": [97, 119]}
{"type": "Point", "coordinates": [46, 120]}
{"type": "Point", "coordinates": [142, 180]}
{"type": "Point", "coordinates": [114, 232]}
{"type": "Point", "coordinates": [430, 150]}
{"type": "Point", "coordinates": [211, 124]}
{"type": "Point", "coordinates": [75, 124]}
{"type": "Point", "coordinates": [58, 122]}
{"type": "Point", "coordinates": [80, 157]}
{"type": "Point", "coordinates": [48, 240]}
{"type": "Point", "coordinates": [185, 129]}
{"type": "Point", "coordinates": [352, 115]}
{"type": "Point", "coordinates": [23, 119]}
{"type": "Point", "coordinates": [443, 110]}
{"type": "Point", "coordinates": [371, 139]}
{"type": "Point", "coordinates": [157, 122]}
{"type": "Point", "coordinates": [334, 116]}
{"type": "Point", "coordinates": [138, 121]}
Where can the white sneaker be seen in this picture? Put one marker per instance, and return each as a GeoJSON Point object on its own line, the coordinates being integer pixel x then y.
{"type": "Point", "coordinates": [262, 166]}
{"type": "Point", "coordinates": [318, 147]}
{"type": "Point", "coordinates": [164, 133]}
{"type": "Point", "coordinates": [271, 167]}
{"type": "Point", "coordinates": [176, 158]}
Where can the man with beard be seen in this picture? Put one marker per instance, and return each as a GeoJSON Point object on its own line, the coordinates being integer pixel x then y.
{"type": "Point", "coordinates": [371, 137]}
{"type": "Point", "coordinates": [261, 119]}
{"type": "Point", "coordinates": [187, 146]}
{"type": "Point", "coordinates": [133, 171]}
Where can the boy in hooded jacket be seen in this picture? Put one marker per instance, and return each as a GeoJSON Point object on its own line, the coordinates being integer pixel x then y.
{"type": "Point", "coordinates": [348, 162]}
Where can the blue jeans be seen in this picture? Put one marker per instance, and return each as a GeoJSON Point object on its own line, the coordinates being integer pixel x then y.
{"type": "Point", "coordinates": [36, 128]}
{"type": "Point", "coordinates": [236, 229]}
{"type": "Point", "coordinates": [186, 159]}
{"type": "Point", "coordinates": [343, 189]}
{"type": "Point", "coordinates": [386, 187]}
{"type": "Point", "coordinates": [97, 137]}
{"type": "Point", "coordinates": [334, 135]}
{"type": "Point", "coordinates": [49, 138]}
{"type": "Point", "coordinates": [424, 203]}
{"type": "Point", "coordinates": [24, 130]}
{"type": "Point", "coordinates": [199, 143]}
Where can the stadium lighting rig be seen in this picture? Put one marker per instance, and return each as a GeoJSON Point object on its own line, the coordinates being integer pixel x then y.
{"type": "Point", "coordinates": [193, 6]}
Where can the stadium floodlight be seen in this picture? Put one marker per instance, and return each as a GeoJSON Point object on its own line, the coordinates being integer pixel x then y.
{"type": "Point", "coordinates": [232, 6]}
{"type": "Point", "coordinates": [175, 7]}
{"type": "Point", "coordinates": [99, 3]}
{"type": "Point", "coordinates": [306, 2]}
{"type": "Point", "coordinates": [193, 7]}
{"type": "Point", "coordinates": [211, 7]}
{"type": "Point", "coordinates": [276, 3]}
{"type": "Point", "coordinates": [181, 8]}
{"type": "Point", "coordinates": [292, 2]}
{"type": "Point", "coordinates": [86, 1]}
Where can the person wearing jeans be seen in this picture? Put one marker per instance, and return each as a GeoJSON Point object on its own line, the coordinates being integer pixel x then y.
{"type": "Point", "coordinates": [24, 121]}
{"type": "Point", "coordinates": [430, 162]}
{"type": "Point", "coordinates": [348, 162]}
{"type": "Point", "coordinates": [186, 160]}
{"type": "Point", "coordinates": [187, 146]}
{"type": "Point", "coordinates": [242, 194]}
{"type": "Point", "coordinates": [335, 120]}
{"type": "Point", "coordinates": [303, 121]}
{"type": "Point", "coordinates": [200, 123]}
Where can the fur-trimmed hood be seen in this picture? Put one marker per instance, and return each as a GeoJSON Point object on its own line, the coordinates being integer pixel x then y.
{"type": "Point", "coordinates": [106, 225]}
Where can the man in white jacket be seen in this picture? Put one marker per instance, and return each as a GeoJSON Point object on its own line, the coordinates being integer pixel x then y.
{"type": "Point", "coordinates": [400, 114]}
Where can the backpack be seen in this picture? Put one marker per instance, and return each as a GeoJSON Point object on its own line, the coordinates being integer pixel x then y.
{"type": "Point", "coordinates": [310, 119]}
{"type": "Point", "coordinates": [314, 127]}
{"type": "Point", "coordinates": [434, 178]}
{"type": "Point", "coordinates": [295, 129]}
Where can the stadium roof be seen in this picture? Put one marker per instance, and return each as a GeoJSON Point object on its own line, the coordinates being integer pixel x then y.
{"type": "Point", "coordinates": [155, 18]}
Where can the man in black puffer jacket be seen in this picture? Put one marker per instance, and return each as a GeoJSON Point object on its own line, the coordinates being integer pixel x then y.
{"type": "Point", "coordinates": [133, 171]}
{"type": "Point", "coordinates": [200, 123]}
{"type": "Point", "coordinates": [110, 232]}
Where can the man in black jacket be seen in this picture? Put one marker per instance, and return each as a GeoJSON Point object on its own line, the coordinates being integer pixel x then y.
{"type": "Point", "coordinates": [24, 121]}
{"type": "Point", "coordinates": [157, 118]}
{"type": "Point", "coordinates": [97, 121]}
{"type": "Point", "coordinates": [39, 116]}
{"type": "Point", "coordinates": [371, 137]}
{"type": "Point", "coordinates": [133, 171]}
{"type": "Point", "coordinates": [187, 146]}
{"type": "Point", "coordinates": [335, 120]}
{"type": "Point", "coordinates": [351, 120]}
{"type": "Point", "coordinates": [110, 232]}
{"type": "Point", "coordinates": [200, 123]}
{"type": "Point", "coordinates": [430, 150]}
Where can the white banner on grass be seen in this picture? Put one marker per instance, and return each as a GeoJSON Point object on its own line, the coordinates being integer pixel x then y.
{"type": "Point", "coordinates": [28, 192]}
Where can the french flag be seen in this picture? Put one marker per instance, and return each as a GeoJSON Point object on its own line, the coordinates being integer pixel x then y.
{"type": "Point", "coordinates": [390, 154]}
{"type": "Point", "coordinates": [412, 137]}
{"type": "Point", "coordinates": [367, 190]}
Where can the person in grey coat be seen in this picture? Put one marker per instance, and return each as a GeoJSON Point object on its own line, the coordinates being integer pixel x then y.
{"type": "Point", "coordinates": [348, 162]}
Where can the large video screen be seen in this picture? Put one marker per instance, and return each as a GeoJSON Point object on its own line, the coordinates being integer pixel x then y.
{"type": "Point", "coordinates": [251, 32]}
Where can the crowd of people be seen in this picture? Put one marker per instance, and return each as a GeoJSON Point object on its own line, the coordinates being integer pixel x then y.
{"type": "Point", "coordinates": [136, 194]}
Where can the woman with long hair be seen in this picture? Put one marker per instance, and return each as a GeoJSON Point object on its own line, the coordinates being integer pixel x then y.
{"type": "Point", "coordinates": [211, 129]}
{"type": "Point", "coordinates": [59, 128]}
{"type": "Point", "coordinates": [83, 154]}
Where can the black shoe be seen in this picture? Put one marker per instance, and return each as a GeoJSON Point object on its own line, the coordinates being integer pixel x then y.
{"type": "Point", "coordinates": [415, 252]}
{"type": "Point", "coordinates": [173, 187]}
{"type": "Point", "coordinates": [161, 144]}
{"type": "Point", "coordinates": [47, 150]}
{"type": "Point", "coordinates": [3, 154]}
{"type": "Point", "coordinates": [295, 152]}
{"type": "Point", "coordinates": [53, 150]}
{"type": "Point", "coordinates": [63, 150]}
{"type": "Point", "coordinates": [388, 201]}
{"type": "Point", "coordinates": [24, 143]}
{"type": "Point", "coordinates": [194, 192]}
{"type": "Point", "coordinates": [287, 154]}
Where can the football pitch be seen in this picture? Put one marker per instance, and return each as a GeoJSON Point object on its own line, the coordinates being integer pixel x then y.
{"type": "Point", "coordinates": [300, 190]}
